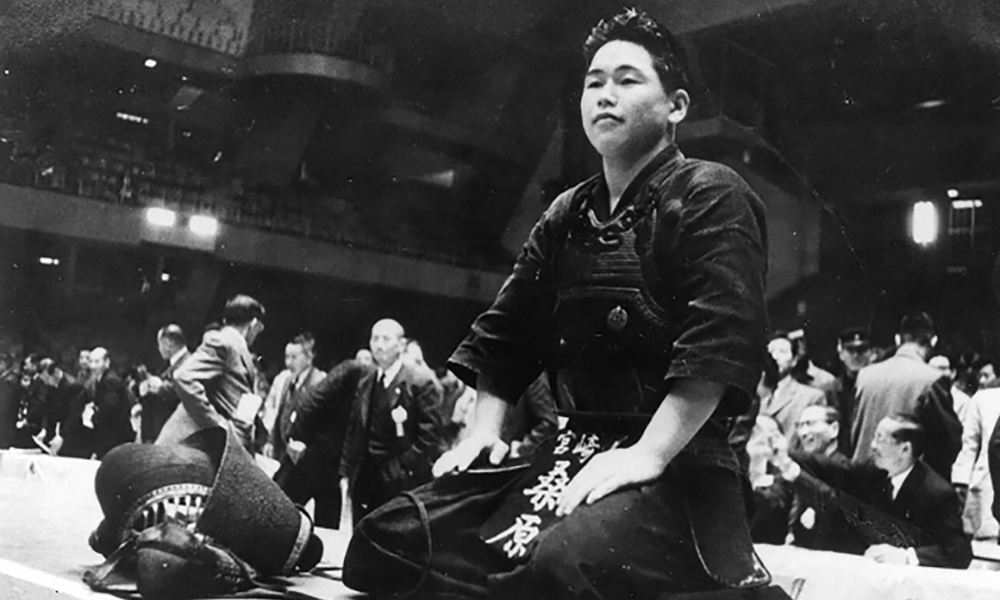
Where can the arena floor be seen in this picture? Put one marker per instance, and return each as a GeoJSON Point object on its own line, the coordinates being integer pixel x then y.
{"type": "Point", "coordinates": [48, 510]}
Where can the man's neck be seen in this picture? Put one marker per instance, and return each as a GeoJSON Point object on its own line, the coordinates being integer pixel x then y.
{"type": "Point", "coordinates": [619, 171]}
{"type": "Point", "coordinates": [913, 348]}
{"type": "Point", "coordinates": [899, 469]}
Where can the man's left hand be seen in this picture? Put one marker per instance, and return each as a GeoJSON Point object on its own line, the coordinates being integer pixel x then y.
{"type": "Point", "coordinates": [607, 472]}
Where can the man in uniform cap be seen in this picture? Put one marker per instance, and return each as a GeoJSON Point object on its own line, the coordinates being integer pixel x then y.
{"type": "Point", "coordinates": [854, 350]}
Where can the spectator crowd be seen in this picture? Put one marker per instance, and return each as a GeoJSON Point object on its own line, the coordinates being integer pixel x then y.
{"type": "Point", "coordinates": [885, 455]}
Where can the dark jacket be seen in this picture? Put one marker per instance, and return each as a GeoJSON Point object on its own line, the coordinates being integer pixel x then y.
{"type": "Point", "coordinates": [112, 410]}
{"type": "Point", "coordinates": [924, 514]}
{"type": "Point", "coordinates": [291, 400]}
{"type": "Point", "coordinates": [411, 456]}
{"type": "Point", "coordinates": [157, 407]}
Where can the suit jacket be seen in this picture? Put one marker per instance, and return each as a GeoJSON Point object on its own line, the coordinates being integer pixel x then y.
{"type": "Point", "coordinates": [322, 416]}
{"type": "Point", "coordinates": [411, 456]}
{"type": "Point", "coordinates": [112, 409]}
{"type": "Point", "coordinates": [788, 401]}
{"type": "Point", "coordinates": [829, 530]}
{"type": "Point", "coordinates": [210, 384]}
{"type": "Point", "coordinates": [290, 401]}
{"type": "Point", "coordinates": [157, 407]}
{"type": "Point", "coordinates": [10, 398]}
{"type": "Point", "coordinates": [905, 383]}
{"type": "Point", "coordinates": [925, 510]}
{"type": "Point", "coordinates": [212, 380]}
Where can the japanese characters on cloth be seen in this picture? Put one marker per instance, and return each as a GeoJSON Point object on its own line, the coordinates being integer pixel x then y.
{"type": "Point", "coordinates": [530, 506]}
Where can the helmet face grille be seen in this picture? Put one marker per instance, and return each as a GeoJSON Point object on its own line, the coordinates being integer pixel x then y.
{"type": "Point", "coordinates": [182, 502]}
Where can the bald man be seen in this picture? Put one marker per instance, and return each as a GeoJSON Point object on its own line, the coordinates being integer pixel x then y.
{"type": "Point", "coordinates": [108, 413]}
{"type": "Point", "coordinates": [393, 431]}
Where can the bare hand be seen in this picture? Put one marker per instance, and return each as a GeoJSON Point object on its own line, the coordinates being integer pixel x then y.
{"type": "Point", "coordinates": [886, 554]}
{"type": "Point", "coordinates": [461, 456]}
{"type": "Point", "coordinates": [295, 450]}
{"type": "Point", "coordinates": [608, 472]}
{"type": "Point", "coordinates": [779, 451]}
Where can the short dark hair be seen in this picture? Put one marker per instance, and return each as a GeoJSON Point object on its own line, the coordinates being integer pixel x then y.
{"type": "Point", "coordinates": [48, 366]}
{"type": "Point", "coordinates": [174, 333]}
{"type": "Point", "coordinates": [917, 328]}
{"type": "Point", "coordinates": [640, 28]}
{"type": "Point", "coordinates": [306, 340]}
{"type": "Point", "coordinates": [242, 309]}
{"type": "Point", "coordinates": [910, 430]}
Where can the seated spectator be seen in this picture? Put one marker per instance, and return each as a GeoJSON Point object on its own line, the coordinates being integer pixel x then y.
{"type": "Point", "coordinates": [772, 495]}
{"type": "Point", "coordinates": [895, 509]}
{"type": "Point", "coordinates": [818, 430]}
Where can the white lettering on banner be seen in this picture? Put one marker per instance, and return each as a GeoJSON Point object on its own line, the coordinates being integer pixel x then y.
{"type": "Point", "coordinates": [565, 439]}
{"type": "Point", "coordinates": [545, 494]}
{"type": "Point", "coordinates": [521, 533]}
{"type": "Point", "coordinates": [587, 446]}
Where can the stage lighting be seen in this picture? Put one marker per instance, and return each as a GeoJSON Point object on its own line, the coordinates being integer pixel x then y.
{"type": "Point", "coordinates": [48, 261]}
{"type": "Point", "coordinates": [150, 63]}
{"type": "Point", "coordinates": [203, 225]}
{"type": "Point", "coordinates": [161, 217]}
{"type": "Point", "coordinates": [924, 227]}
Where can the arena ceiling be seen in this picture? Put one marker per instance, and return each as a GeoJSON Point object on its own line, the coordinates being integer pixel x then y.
{"type": "Point", "coordinates": [862, 100]}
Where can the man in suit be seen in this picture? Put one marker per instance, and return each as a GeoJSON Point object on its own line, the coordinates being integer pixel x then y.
{"type": "Point", "coordinates": [302, 378]}
{"type": "Point", "coordinates": [216, 384]}
{"type": "Point", "coordinates": [159, 397]}
{"type": "Point", "coordinates": [897, 510]}
{"type": "Point", "coordinates": [790, 395]}
{"type": "Point", "coordinates": [393, 433]}
{"type": "Point", "coordinates": [817, 429]}
{"type": "Point", "coordinates": [317, 438]}
{"type": "Point", "coordinates": [905, 383]}
{"type": "Point", "coordinates": [65, 395]}
{"type": "Point", "coordinates": [855, 353]}
{"type": "Point", "coordinates": [108, 412]}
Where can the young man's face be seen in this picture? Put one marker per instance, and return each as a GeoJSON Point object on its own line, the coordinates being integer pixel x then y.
{"type": "Point", "coordinates": [781, 352]}
{"type": "Point", "coordinates": [624, 108]}
{"type": "Point", "coordinates": [296, 358]}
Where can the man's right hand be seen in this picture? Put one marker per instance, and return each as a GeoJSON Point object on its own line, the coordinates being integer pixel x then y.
{"type": "Point", "coordinates": [468, 450]}
{"type": "Point", "coordinates": [295, 450]}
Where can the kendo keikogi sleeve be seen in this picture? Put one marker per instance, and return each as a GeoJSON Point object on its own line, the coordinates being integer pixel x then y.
{"type": "Point", "coordinates": [509, 343]}
{"type": "Point", "coordinates": [716, 247]}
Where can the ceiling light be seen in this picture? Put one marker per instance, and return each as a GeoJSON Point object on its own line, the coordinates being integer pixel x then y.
{"type": "Point", "coordinates": [6, 71]}
{"type": "Point", "coordinates": [966, 204]}
{"type": "Point", "coordinates": [150, 63]}
{"type": "Point", "coordinates": [161, 217]}
{"type": "Point", "coordinates": [931, 103]}
{"type": "Point", "coordinates": [203, 225]}
{"type": "Point", "coordinates": [124, 116]}
{"type": "Point", "coordinates": [49, 261]}
{"type": "Point", "coordinates": [164, 277]}
{"type": "Point", "coordinates": [924, 228]}
{"type": "Point", "coordinates": [953, 193]}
